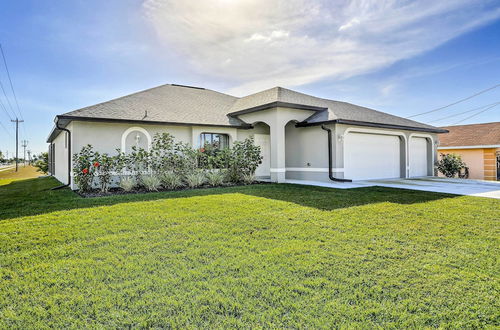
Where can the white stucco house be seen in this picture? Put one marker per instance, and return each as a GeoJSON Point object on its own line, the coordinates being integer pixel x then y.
{"type": "Point", "coordinates": [301, 136]}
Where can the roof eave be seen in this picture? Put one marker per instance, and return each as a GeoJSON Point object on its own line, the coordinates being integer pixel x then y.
{"type": "Point", "coordinates": [276, 105]}
{"type": "Point", "coordinates": [370, 124]}
{"type": "Point", "coordinates": [136, 121]}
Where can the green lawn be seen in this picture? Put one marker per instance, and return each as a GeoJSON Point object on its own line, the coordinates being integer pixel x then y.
{"type": "Point", "coordinates": [255, 256]}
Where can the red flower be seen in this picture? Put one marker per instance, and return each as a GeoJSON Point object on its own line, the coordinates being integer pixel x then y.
{"type": "Point", "coordinates": [96, 164]}
{"type": "Point", "coordinates": [85, 171]}
{"type": "Point", "coordinates": [202, 149]}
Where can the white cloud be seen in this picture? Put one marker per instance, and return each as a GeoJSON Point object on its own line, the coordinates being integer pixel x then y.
{"type": "Point", "coordinates": [279, 34]}
{"type": "Point", "coordinates": [350, 24]}
{"type": "Point", "coordinates": [256, 44]}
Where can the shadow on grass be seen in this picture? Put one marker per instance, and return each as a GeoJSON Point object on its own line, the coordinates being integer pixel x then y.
{"type": "Point", "coordinates": [34, 197]}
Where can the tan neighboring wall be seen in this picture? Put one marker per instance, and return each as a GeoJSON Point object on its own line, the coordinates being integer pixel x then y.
{"type": "Point", "coordinates": [481, 162]}
{"type": "Point", "coordinates": [490, 165]}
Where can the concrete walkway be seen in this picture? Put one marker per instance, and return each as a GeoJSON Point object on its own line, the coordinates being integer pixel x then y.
{"type": "Point", "coordinates": [490, 189]}
{"type": "Point", "coordinates": [5, 168]}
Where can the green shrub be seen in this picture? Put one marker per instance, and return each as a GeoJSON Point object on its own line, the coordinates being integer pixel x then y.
{"type": "Point", "coordinates": [128, 183]}
{"type": "Point", "coordinates": [151, 182]}
{"type": "Point", "coordinates": [171, 180]}
{"type": "Point", "coordinates": [42, 163]}
{"type": "Point", "coordinates": [450, 165]}
{"type": "Point", "coordinates": [243, 160]}
{"type": "Point", "coordinates": [248, 178]}
{"type": "Point", "coordinates": [167, 162]}
{"type": "Point", "coordinates": [195, 179]}
{"type": "Point", "coordinates": [215, 177]}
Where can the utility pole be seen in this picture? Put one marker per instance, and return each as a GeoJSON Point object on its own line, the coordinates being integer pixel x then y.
{"type": "Point", "coordinates": [17, 121]}
{"type": "Point", "coordinates": [29, 157]}
{"type": "Point", "coordinates": [24, 145]}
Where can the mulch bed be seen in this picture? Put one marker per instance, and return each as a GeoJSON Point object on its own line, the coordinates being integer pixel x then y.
{"type": "Point", "coordinates": [142, 190]}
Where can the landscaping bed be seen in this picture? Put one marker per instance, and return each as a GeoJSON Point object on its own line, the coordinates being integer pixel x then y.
{"type": "Point", "coordinates": [143, 190]}
{"type": "Point", "coordinates": [165, 165]}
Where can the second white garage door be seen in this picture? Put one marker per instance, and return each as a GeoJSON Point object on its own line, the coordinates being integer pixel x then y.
{"type": "Point", "coordinates": [418, 157]}
{"type": "Point", "coordinates": [371, 156]}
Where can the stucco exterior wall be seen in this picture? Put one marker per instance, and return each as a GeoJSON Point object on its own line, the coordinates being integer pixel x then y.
{"type": "Point", "coordinates": [61, 158]}
{"type": "Point", "coordinates": [296, 152]}
{"type": "Point", "coordinates": [107, 137]}
{"type": "Point", "coordinates": [306, 153]}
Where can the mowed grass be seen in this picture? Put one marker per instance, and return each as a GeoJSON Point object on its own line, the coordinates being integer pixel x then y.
{"type": "Point", "coordinates": [9, 174]}
{"type": "Point", "coordinates": [254, 257]}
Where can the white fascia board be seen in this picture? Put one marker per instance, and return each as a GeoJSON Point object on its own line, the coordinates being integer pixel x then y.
{"type": "Point", "coordinates": [471, 147]}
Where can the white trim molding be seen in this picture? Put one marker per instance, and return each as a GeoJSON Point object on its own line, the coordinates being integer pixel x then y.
{"type": "Point", "coordinates": [374, 131]}
{"type": "Point", "coordinates": [277, 170]}
{"type": "Point", "coordinates": [472, 147]}
{"type": "Point", "coordinates": [133, 129]}
{"type": "Point", "coordinates": [313, 169]}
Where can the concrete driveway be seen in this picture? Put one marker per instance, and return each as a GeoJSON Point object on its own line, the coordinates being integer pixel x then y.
{"type": "Point", "coordinates": [490, 189]}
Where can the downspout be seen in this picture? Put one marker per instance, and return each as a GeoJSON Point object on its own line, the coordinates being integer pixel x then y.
{"type": "Point", "coordinates": [69, 155]}
{"type": "Point", "coordinates": [330, 161]}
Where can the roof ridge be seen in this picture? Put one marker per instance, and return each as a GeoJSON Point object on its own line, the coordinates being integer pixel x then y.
{"type": "Point", "coordinates": [117, 98]}
{"type": "Point", "coordinates": [147, 90]}
{"type": "Point", "coordinates": [487, 123]}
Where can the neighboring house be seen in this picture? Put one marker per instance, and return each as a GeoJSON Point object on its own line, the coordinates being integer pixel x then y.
{"type": "Point", "coordinates": [479, 147]}
{"type": "Point", "coordinates": [301, 136]}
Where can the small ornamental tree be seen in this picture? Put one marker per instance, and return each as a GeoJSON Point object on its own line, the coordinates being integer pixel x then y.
{"type": "Point", "coordinates": [83, 169]}
{"type": "Point", "coordinates": [450, 165]}
{"type": "Point", "coordinates": [162, 153]}
{"type": "Point", "coordinates": [42, 163]}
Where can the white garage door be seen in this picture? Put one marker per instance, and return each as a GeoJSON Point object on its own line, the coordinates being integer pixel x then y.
{"type": "Point", "coordinates": [418, 157]}
{"type": "Point", "coordinates": [371, 156]}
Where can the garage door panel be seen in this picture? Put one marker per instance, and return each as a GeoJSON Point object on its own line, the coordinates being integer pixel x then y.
{"type": "Point", "coordinates": [418, 157]}
{"type": "Point", "coordinates": [371, 156]}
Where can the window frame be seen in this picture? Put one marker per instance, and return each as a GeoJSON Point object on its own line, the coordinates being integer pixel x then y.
{"type": "Point", "coordinates": [223, 145]}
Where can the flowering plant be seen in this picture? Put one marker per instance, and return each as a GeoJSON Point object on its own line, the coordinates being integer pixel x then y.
{"type": "Point", "coordinates": [82, 168]}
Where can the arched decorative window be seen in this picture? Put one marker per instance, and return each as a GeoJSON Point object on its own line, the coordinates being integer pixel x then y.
{"type": "Point", "coordinates": [135, 137]}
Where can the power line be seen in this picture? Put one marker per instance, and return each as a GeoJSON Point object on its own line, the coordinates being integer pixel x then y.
{"type": "Point", "coordinates": [6, 130]}
{"type": "Point", "coordinates": [461, 113]}
{"type": "Point", "coordinates": [474, 115]}
{"type": "Point", "coordinates": [5, 109]}
{"type": "Point", "coordinates": [459, 101]}
{"type": "Point", "coordinates": [10, 81]}
{"type": "Point", "coordinates": [7, 98]}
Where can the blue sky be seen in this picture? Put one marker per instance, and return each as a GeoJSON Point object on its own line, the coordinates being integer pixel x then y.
{"type": "Point", "coordinates": [401, 57]}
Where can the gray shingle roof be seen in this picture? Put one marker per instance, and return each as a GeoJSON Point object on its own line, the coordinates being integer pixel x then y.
{"type": "Point", "coordinates": [166, 103]}
{"type": "Point", "coordinates": [199, 106]}
{"type": "Point", "coordinates": [336, 110]}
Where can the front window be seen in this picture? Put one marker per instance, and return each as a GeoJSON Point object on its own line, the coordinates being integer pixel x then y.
{"type": "Point", "coordinates": [214, 140]}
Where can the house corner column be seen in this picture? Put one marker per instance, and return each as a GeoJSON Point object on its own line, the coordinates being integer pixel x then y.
{"type": "Point", "coordinates": [278, 167]}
